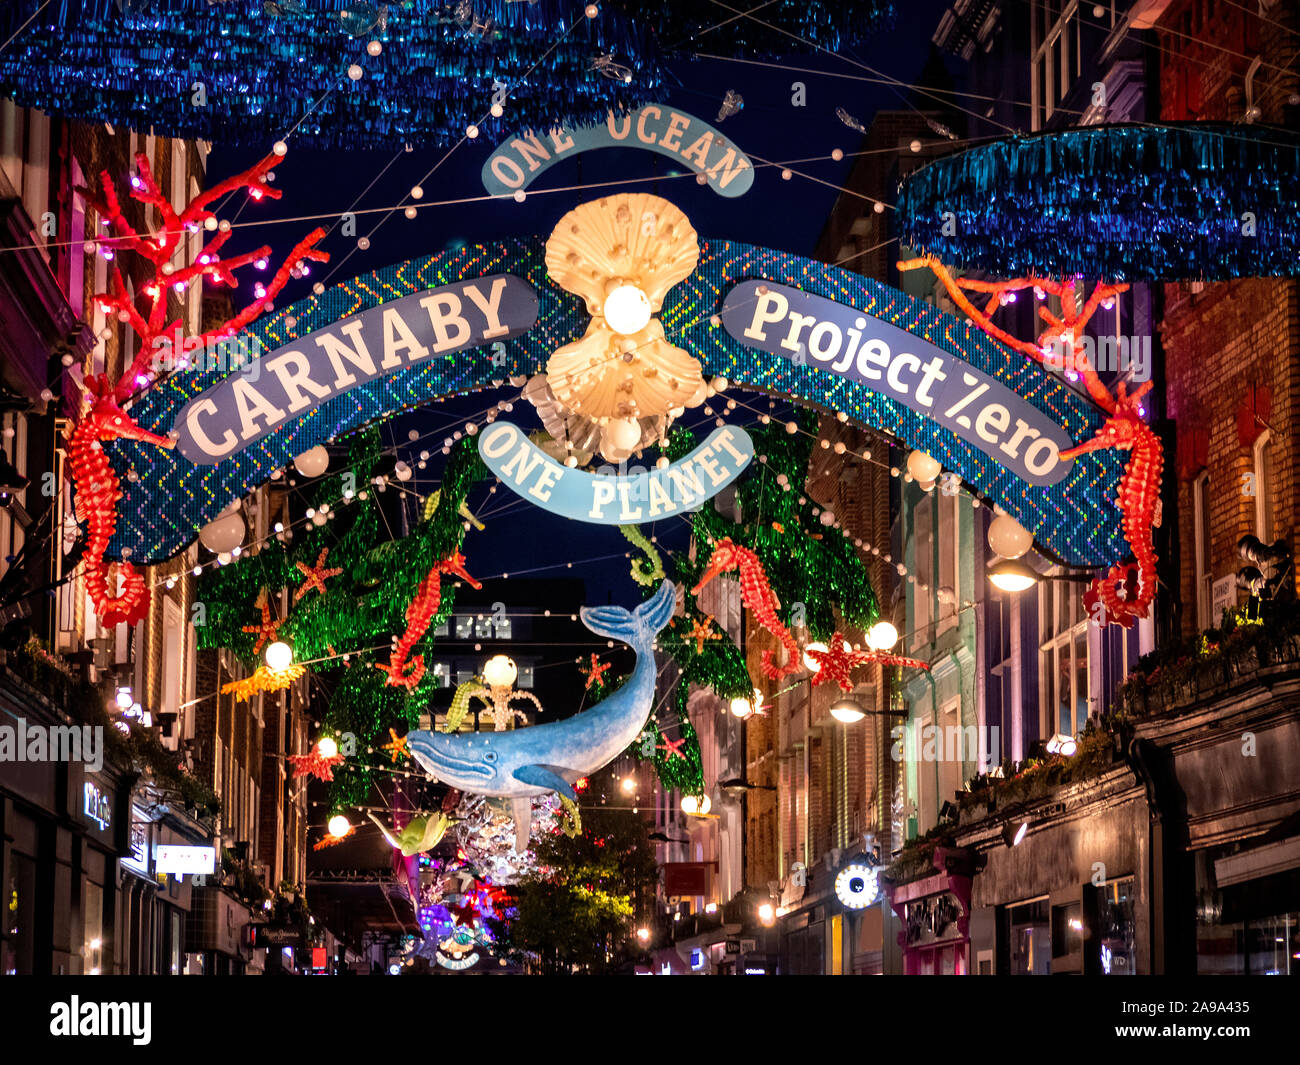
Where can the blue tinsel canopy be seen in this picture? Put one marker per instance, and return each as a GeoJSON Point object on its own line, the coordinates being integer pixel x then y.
{"type": "Point", "coordinates": [271, 66]}
{"type": "Point", "coordinates": [1114, 203]}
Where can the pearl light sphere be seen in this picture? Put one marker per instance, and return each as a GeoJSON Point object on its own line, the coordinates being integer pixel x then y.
{"type": "Point", "coordinates": [882, 636]}
{"type": "Point", "coordinates": [623, 433]}
{"type": "Point", "coordinates": [223, 534]}
{"type": "Point", "coordinates": [809, 663]}
{"type": "Point", "coordinates": [339, 826]}
{"type": "Point", "coordinates": [1008, 537]}
{"type": "Point", "coordinates": [279, 655]}
{"type": "Point", "coordinates": [312, 462]}
{"type": "Point", "coordinates": [923, 467]}
{"type": "Point", "coordinates": [693, 805]}
{"type": "Point", "coordinates": [741, 707]}
{"type": "Point", "coordinates": [627, 309]}
{"type": "Point", "coordinates": [326, 747]}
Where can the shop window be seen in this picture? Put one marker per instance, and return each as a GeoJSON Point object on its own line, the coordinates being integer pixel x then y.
{"type": "Point", "coordinates": [949, 559]}
{"type": "Point", "coordinates": [1117, 928]}
{"type": "Point", "coordinates": [92, 946]}
{"type": "Point", "coordinates": [1063, 658]}
{"type": "Point", "coordinates": [922, 569]}
{"type": "Point", "coordinates": [442, 673]}
{"type": "Point", "coordinates": [525, 678]}
{"type": "Point", "coordinates": [464, 626]}
{"type": "Point", "coordinates": [17, 945]}
{"type": "Point", "coordinates": [1201, 546]}
{"type": "Point", "coordinates": [1067, 930]}
{"type": "Point", "coordinates": [1029, 939]}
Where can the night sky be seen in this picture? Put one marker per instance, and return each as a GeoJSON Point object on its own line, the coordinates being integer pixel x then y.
{"type": "Point", "coordinates": [521, 538]}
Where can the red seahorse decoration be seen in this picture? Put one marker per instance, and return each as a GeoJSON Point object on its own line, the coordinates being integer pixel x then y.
{"type": "Point", "coordinates": [757, 594]}
{"type": "Point", "coordinates": [1127, 590]}
{"type": "Point", "coordinates": [408, 672]}
{"type": "Point", "coordinates": [98, 491]}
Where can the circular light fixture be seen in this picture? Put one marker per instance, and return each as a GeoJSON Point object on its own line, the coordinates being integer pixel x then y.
{"type": "Point", "coordinates": [767, 914]}
{"type": "Point", "coordinates": [643, 934]}
{"type": "Point", "coordinates": [696, 805]}
{"type": "Point", "coordinates": [629, 785]}
{"type": "Point", "coordinates": [224, 533]}
{"type": "Point", "coordinates": [741, 707]}
{"type": "Point", "coordinates": [923, 467]}
{"type": "Point", "coordinates": [1062, 744]}
{"type": "Point", "coordinates": [848, 711]}
{"type": "Point", "coordinates": [1008, 537]}
{"type": "Point", "coordinates": [279, 656]}
{"type": "Point", "coordinates": [1012, 576]}
{"type": "Point", "coordinates": [312, 462]}
{"type": "Point", "coordinates": [339, 826]}
{"type": "Point", "coordinates": [627, 309]}
{"type": "Point", "coordinates": [124, 698]}
{"type": "Point", "coordinates": [856, 886]}
{"type": "Point", "coordinates": [500, 672]}
{"type": "Point", "coordinates": [809, 663]}
{"type": "Point", "coordinates": [882, 636]}
{"type": "Point", "coordinates": [1012, 835]}
{"type": "Point", "coordinates": [327, 748]}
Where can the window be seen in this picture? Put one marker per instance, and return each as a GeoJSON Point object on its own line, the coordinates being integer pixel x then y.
{"type": "Point", "coordinates": [1029, 939]}
{"type": "Point", "coordinates": [949, 559]}
{"type": "Point", "coordinates": [1201, 532]}
{"type": "Point", "coordinates": [92, 945]}
{"type": "Point", "coordinates": [1063, 658]}
{"type": "Point", "coordinates": [1067, 929]}
{"type": "Point", "coordinates": [525, 679]}
{"type": "Point", "coordinates": [951, 745]}
{"type": "Point", "coordinates": [1264, 487]}
{"type": "Point", "coordinates": [442, 673]}
{"type": "Point", "coordinates": [922, 569]}
{"type": "Point", "coordinates": [1116, 928]}
{"type": "Point", "coordinates": [926, 809]}
{"type": "Point", "coordinates": [464, 626]}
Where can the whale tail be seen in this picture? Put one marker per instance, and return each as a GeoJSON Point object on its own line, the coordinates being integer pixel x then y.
{"type": "Point", "coordinates": [636, 628]}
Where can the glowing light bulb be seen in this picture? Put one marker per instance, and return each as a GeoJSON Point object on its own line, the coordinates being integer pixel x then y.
{"type": "Point", "coordinates": [627, 309]}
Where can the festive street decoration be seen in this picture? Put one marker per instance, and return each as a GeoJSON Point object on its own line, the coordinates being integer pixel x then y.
{"type": "Point", "coordinates": [615, 499]}
{"type": "Point", "coordinates": [756, 593]}
{"type": "Point", "coordinates": [98, 492]}
{"type": "Point", "coordinates": [320, 762]}
{"type": "Point", "coordinates": [268, 629]}
{"type": "Point", "coordinates": [424, 606]}
{"type": "Point", "coordinates": [597, 671]}
{"type": "Point", "coordinates": [1073, 519]}
{"type": "Point", "coordinates": [1128, 203]}
{"type": "Point", "coordinates": [459, 708]}
{"type": "Point", "coordinates": [838, 662]}
{"type": "Point", "coordinates": [701, 631]}
{"type": "Point", "coordinates": [649, 570]}
{"type": "Point", "coordinates": [1126, 592]}
{"type": "Point", "coordinates": [421, 833]}
{"type": "Point", "coordinates": [263, 679]}
{"type": "Point", "coordinates": [159, 345]}
{"type": "Point", "coordinates": [396, 746]}
{"type": "Point", "coordinates": [316, 575]}
{"type": "Point", "coordinates": [687, 140]}
{"type": "Point", "coordinates": [215, 425]}
{"type": "Point", "coordinates": [548, 758]}
{"type": "Point", "coordinates": [622, 254]}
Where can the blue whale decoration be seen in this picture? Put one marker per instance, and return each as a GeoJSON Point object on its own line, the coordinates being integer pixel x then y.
{"type": "Point", "coordinates": [528, 762]}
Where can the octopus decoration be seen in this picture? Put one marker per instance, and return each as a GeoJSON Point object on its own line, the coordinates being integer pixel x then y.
{"type": "Point", "coordinates": [757, 594]}
{"type": "Point", "coordinates": [622, 254]}
{"type": "Point", "coordinates": [1125, 594]}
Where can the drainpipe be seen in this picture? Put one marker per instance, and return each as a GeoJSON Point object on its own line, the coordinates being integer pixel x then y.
{"type": "Point", "coordinates": [1170, 876]}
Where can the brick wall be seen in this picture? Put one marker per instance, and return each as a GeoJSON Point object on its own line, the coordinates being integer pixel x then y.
{"type": "Point", "coordinates": [1228, 342]}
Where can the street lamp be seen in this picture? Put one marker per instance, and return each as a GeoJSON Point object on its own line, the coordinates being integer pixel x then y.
{"type": "Point", "coordinates": [1012, 575]}
{"type": "Point", "coordinates": [766, 915]}
{"type": "Point", "coordinates": [847, 711]}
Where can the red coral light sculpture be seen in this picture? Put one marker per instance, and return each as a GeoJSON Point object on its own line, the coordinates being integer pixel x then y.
{"type": "Point", "coordinates": [97, 487]}
{"type": "Point", "coordinates": [1126, 592]}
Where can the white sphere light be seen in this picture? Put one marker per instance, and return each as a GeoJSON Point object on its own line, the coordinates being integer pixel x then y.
{"type": "Point", "coordinates": [279, 656]}
{"type": "Point", "coordinates": [500, 672]}
{"type": "Point", "coordinates": [1008, 537]}
{"type": "Point", "coordinates": [403, 471]}
{"type": "Point", "coordinates": [741, 707]}
{"type": "Point", "coordinates": [223, 534]}
{"type": "Point", "coordinates": [696, 805]}
{"type": "Point", "coordinates": [312, 462]}
{"type": "Point", "coordinates": [882, 636]}
{"type": "Point", "coordinates": [339, 826]}
{"type": "Point", "coordinates": [923, 467]}
{"type": "Point", "coordinates": [809, 663]}
{"type": "Point", "coordinates": [623, 433]}
{"type": "Point", "coordinates": [326, 747]}
{"type": "Point", "coordinates": [626, 309]}
{"type": "Point", "coordinates": [857, 886]}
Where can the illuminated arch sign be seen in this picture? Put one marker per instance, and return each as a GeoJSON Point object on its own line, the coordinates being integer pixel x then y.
{"type": "Point", "coordinates": [618, 499]}
{"type": "Point", "coordinates": [877, 355]}
{"type": "Point", "coordinates": [1074, 517]}
{"type": "Point", "coordinates": [688, 140]}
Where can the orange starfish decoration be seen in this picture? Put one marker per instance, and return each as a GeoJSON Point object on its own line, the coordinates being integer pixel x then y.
{"type": "Point", "coordinates": [315, 576]}
{"type": "Point", "coordinates": [701, 631]}
{"type": "Point", "coordinates": [397, 746]}
{"type": "Point", "coordinates": [597, 671]}
{"type": "Point", "coordinates": [268, 629]}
